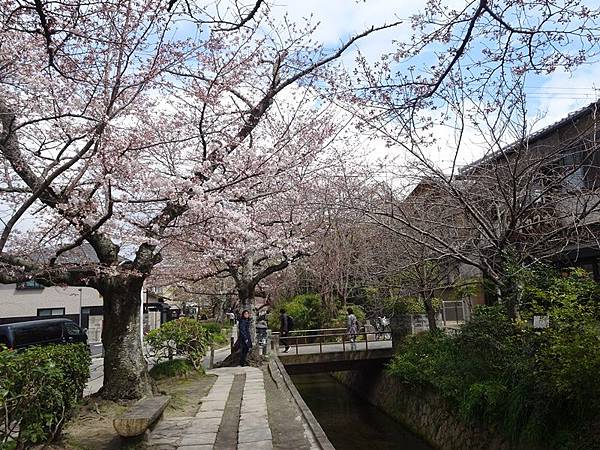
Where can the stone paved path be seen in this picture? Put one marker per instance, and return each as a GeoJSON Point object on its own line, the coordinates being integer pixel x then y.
{"type": "Point", "coordinates": [236, 398]}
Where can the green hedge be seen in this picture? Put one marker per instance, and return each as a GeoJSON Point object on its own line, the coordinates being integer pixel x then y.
{"type": "Point", "coordinates": [538, 387]}
{"type": "Point", "coordinates": [39, 390]}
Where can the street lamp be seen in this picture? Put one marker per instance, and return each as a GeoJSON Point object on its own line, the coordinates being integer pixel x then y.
{"type": "Point", "coordinates": [80, 305]}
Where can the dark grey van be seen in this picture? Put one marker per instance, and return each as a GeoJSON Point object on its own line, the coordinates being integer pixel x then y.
{"type": "Point", "coordinates": [41, 332]}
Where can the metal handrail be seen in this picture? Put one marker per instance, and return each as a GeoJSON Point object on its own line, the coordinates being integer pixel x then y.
{"type": "Point", "coordinates": [318, 329]}
{"type": "Point", "coordinates": [344, 337]}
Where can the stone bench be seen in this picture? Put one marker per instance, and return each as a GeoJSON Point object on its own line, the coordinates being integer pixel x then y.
{"type": "Point", "coordinates": [137, 418]}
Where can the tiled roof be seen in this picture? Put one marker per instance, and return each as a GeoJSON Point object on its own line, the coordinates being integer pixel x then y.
{"type": "Point", "coordinates": [82, 254]}
{"type": "Point", "coordinates": [540, 134]}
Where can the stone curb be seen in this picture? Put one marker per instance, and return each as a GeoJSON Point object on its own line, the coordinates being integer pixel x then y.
{"type": "Point", "coordinates": [277, 370]}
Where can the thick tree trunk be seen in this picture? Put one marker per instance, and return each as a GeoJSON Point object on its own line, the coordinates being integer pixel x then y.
{"type": "Point", "coordinates": [125, 369]}
{"type": "Point", "coordinates": [428, 303]}
{"type": "Point", "coordinates": [509, 294]}
{"type": "Point", "coordinates": [246, 298]}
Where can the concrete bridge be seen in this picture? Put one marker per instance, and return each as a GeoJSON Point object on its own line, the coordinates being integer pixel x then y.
{"type": "Point", "coordinates": [329, 350]}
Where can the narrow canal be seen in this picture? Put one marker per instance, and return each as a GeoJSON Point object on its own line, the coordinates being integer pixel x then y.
{"type": "Point", "coordinates": [349, 422]}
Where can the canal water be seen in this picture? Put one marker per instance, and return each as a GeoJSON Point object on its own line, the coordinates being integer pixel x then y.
{"type": "Point", "coordinates": [349, 422]}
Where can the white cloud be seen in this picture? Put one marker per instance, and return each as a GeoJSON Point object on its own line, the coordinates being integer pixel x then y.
{"type": "Point", "coordinates": [555, 96]}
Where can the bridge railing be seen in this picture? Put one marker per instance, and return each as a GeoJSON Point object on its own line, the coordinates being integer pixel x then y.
{"type": "Point", "coordinates": [329, 337]}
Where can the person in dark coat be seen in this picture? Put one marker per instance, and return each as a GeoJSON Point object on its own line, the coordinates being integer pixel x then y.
{"type": "Point", "coordinates": [245, 336]}
{"type": "Point", "coordinates": [284, 330]}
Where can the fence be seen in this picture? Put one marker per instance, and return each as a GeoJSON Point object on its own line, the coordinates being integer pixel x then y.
{"type": "Point", "coordinates": [452, 315]}
{"type": "Point", "coordinates": [328, 339]}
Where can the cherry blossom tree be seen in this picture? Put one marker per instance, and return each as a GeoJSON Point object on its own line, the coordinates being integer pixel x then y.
{"type": "Point", "coordinates": [264, 223]}
{"type": "Point", "coordinates": [456, 82]}
{"type": "Point", "coordinates": [120, 118]}
{"type": "Point", "coordinates": [536, 199]}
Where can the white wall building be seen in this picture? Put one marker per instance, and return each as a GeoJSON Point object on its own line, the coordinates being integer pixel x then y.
{"type": "Point", "coordinates": [30, 301]}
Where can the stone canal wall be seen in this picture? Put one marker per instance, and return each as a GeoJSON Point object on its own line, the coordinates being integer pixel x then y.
{"type": "Point", "coordinates": [424, 413]}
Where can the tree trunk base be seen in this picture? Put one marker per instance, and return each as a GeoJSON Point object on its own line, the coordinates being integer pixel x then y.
{"type": "Point", "coordinates": [233, 360]}
{"type": "Point", "coordinates": [147, 388]}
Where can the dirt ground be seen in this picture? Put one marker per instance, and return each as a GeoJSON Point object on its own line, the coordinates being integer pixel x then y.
{"type": "Point", "coordinates": [92, 429]}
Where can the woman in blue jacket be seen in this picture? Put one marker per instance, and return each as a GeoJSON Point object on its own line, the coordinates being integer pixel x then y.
{"type": "Point", "coordinates": [244, 336]}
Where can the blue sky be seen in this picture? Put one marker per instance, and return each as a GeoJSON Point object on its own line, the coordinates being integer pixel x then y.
{"type": "Point", "coordinates": [550, 97]}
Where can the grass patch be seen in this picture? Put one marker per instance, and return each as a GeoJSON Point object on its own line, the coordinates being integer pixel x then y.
{"type": "Point", "coordinates": [173, 368]}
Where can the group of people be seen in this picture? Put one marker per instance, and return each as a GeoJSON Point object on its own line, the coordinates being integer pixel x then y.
{"type": "Point", "coordinates": [286, 325]}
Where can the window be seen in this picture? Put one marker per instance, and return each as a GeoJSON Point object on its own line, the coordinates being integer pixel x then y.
{"type": "Point", "coordinates": [50, 312]}
{"type": "Point", "coordinates": [31, 284]}
{"type": "Point", "coordinates": [71, 329]}
{"type": "Point", "coordinates": [580, 162]}
{"type": "Point", "coordinates": [37, 334]}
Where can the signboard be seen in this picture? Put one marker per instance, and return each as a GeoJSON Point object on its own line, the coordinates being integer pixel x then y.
{"type": "Point", "coordinates": [541, 322]}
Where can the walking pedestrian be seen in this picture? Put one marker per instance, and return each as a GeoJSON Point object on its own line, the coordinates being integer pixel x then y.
{"type": "Point", "coordinates": [245, 337]}
{"type": "Point", "coordinates": [284, 329]}
{"type": "Point", "coordinates": [352, 328]}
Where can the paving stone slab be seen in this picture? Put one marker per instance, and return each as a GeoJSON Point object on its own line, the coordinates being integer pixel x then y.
{"type": "Point", "coordinates": [199, 423]}
{"type": "Point", "coordinates": [202, 429]}
{"type": "Point", "coordinates": [198, 439]}
{"type": "Point", "coordinates": [257, 435]}
{"type": "Point", "coordinates": [254, 408]}
{"type": "Point", "coordinates": [196, 447]}
{"type": "Point", "coordinates": [162, 447]}
{"type": "Point", "coordinates": [252, 426]}
{"type": "Point", "coordinates": [212, 406]}
{"type": "Point", "coordinates": [167, 443]}
{"type": "Point", "coordinates": [254, 415]}
{"type": "Point", "coordinates": [167, 435]}
{"type": "Point", "coordinates": [262, 445]}
{"type": "Point", "coordinates": [215, 414]}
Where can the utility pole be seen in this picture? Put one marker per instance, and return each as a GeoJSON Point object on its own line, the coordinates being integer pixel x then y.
{"type": "Point", "coordinates": [80, 305]}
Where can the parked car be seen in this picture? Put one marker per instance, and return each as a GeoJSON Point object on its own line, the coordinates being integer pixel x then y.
{"type": "Point", "coordinates": [41, 332]}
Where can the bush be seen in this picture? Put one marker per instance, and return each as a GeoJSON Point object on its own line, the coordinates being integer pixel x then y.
{"type": "Point", "coordinates": [394, 305]}
{"type": "Point", "coordinates": [212, 327]}
{"type": "Point", "coordinates": [216, 331]}
{"type": "Point", "coordinates": [173, 368]}
{"type": "Point", "coordinates": [539, 387]}
{"type": "Point", "coordinates": [184, 336]}
{"type": "Point", "coordinates": [309, 314]}
{"type": "Point", "coordinates": [307, 311]}
{"type": "Point", "coordinates": [39, 389]}
{"type": "Point", "coordinates": [341, 320]}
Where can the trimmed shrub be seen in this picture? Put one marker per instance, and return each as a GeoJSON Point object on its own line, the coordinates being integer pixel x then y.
{"type": "Point", "coordinates": [184, 336]}
{"type": "Point", "coordinates": [39, 390]}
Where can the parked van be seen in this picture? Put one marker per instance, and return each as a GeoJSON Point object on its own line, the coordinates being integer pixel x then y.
{"type": "Point", "coordinates": [41, 332]}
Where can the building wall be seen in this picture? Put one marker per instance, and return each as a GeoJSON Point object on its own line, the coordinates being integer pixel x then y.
{"type": "Point", "coordinates": [26, 302]}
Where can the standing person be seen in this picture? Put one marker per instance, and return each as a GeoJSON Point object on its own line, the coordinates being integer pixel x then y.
{"type": "Point", "coordinates": [352, 328]}
{"type": "Point", "coordinates": [245, 337]}
{"type": "Point", "coordinates": [284, 329]}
